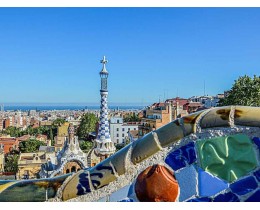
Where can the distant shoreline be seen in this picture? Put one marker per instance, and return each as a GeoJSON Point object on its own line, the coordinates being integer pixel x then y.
{"type": "Point", "coordinates": [68, 107]}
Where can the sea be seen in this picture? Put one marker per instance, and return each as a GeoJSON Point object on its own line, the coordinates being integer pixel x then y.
{"type": "Point", "coordinates": [69, 107]}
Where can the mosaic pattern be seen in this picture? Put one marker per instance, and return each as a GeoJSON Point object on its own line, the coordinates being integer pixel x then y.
{"type": "Point", "coordinates": [256, 140]}
{"type": "Point", "coordinates": [228, 158]}
{"type": "Point", "coordinates": [103, 129]}
{"type": "Point", "coordinates": [226, 197]}
{"type": "Point", "coordinates": [185, 181]}
{"type": "Point", "coordinates": [31, 190]}
{"type": "Point", "coordinates": [182, 157]}
{"type": "Point", "coordinates": [255, 197]}
{"type": "Point", "coordinates": [244, 186]}
{"type": "Point", "coordinates": [210, 185]}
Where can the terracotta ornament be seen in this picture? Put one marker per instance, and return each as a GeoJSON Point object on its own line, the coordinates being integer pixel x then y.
{"type": "Point", "coordinates": [156, 184]}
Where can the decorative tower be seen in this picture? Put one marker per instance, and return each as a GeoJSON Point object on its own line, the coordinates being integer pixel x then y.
{"type": "Point", "coordinates": [104, 146]}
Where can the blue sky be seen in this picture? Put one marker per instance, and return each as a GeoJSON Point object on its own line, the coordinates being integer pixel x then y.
{"type": "Point", "coordinates": [52, 54]}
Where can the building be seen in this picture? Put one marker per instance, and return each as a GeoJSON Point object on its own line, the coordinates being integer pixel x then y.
{"type": "Point", "coordinates": [29, 164]}
{"type": "Point", "coordinates": [177, 107]}
{"type": "Point", "coordinates": [2, 158]}
{"type": "Point", "coordinates": [9, 143]}
{"type": "Point", "coordinates": [119, 130]}
{"type": "Point", "coordinates": [1, 124]}
{"type": "Point", "coordinates": [62, 133]}
{"type": "Point", "coordinates": [47, 162]}
{"type": "Point", "coordinates": [70, 159]}
{"type": "Point", "coordinates": [155, 116]}
{"type": "Point", "coordinates": [133, 135]}
{"type": "Point", "coordinates": [104, 145]}
{"type": "Point", "coordinates": [42, 138]}
{"type": "Point", "coordinates": [192, 106]}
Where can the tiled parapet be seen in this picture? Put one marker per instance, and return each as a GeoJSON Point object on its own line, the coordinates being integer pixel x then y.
{"type": "Point", "coordinates": [216, 117]}
{"type": "Point", "coordinates": [255, 197]}
{"type": "Point", "coordinates": [201, 199]}
{"type": "Point", "coordinates": [226, 197]}
{"type": "Point", "coordinates": [188, 181]}
{"type": "Point", "coordinates": [145, 147]}
{"type": "Point", "coordinates": [246, 115]}
{"type": "Point", "coordinates": [156, 183]}
{"type": "Point", "coordinates": [257, 175]}
{"type": "Point", "coordinates": [228, 157]}
{"type": "Point", "coordinates": [210, 185]}
{"type": "Point", "coordinates": [182, 157]}
{"type": "Point", "coordinates": [256, 140]}
{"type": "Point", "coordinates": [31, 190]}
{"type": "Point", "coordinates": [244, 186]}
{"type": "Point", "coordinates": [170, 133]}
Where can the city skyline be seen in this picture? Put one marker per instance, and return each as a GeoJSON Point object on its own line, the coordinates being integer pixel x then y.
{"type": "Point", "coordinates": [51, 55]}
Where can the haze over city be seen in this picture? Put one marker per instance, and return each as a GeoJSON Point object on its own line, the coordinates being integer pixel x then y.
{"type": "Point", "coordinates": [52, 55]}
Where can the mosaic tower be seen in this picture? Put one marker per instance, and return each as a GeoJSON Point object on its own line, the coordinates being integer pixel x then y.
{"type": "Point", "coordinates": [104, 146]}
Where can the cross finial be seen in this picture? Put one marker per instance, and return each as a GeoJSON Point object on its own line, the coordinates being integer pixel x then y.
{"type": "Point", "coordinates": [104, 61]}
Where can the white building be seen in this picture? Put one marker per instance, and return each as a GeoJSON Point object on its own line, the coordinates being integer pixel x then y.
{"type": "Point", "coordinates": [119, 130]}
{"type": "Point", "coordinates": [207, 101]}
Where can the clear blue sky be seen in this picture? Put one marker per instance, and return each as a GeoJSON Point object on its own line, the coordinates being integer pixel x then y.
{"type": "Point", "coordinates": [52, 54]}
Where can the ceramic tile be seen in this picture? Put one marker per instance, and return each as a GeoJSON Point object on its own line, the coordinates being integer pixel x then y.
{"type": "Point", "coordinates": [256, 140]}
{"type": "Point", "coordinates": [210, 185]}
{"type": "Point", "coordinates": [244, 186]}
{"type": "Point", "coordinates": [228, 157]}
{"type": "Point", "coordinates": [226, 197]}
{"type": "Point", "coordinates": [257, 175]}
{"type": "Point", "coordinates": [120, 194]}
{"type": "Point", "coordinates": [181, 157]}
{"type": "Point", "coordinates": [187, 179]}
{"type": "Point", "coordinates": [156, 183]}
{"type": "Point", "coordinates": [255, 197]}
{"type": "Point", "coordinates": [201, 199]}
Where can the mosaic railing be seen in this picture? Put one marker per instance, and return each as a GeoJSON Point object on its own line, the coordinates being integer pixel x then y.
{"type": "Point", "coordinates": [212, 155]}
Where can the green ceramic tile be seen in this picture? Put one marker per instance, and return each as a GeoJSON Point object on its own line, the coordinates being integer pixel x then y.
{"type": "Point", "coordinates": [227, 157]}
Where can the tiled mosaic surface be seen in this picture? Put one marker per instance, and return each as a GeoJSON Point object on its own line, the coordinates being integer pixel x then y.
{"type": "Point", "coordinates": [200, 183]}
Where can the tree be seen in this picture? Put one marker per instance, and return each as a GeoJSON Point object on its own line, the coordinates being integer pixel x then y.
{"type": "Point", "coordinates": [87, 125]}
{"type": "Point", "coordinates": [86, 145]}
{"type": "Point", "coordinates": [245, 91]}
{"type": "Point", "coordinates": [132, 118]}
{"type": "Point", "coordinates": [31, 145]}
{"type": "Point", "coordinates": [11, 163]}
{"type": "Point", "coordinates": [58, 122]}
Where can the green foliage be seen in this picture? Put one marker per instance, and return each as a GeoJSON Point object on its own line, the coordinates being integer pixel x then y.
{"type": "Point", "coordinates": [11, 163]}
{"type": "Point", "coordinates": [58, 122]}
{"type": "Point", "coordinates": [31, 145]}
{"type": "Point", "coordinates": [13, 131]}
{"type": "Point", "coordinates": [87, 125]}
{"type": "Point", "coordinates": [132, 118]}
{"type": "Point", "coordinates": [86, 145]}
{"type": "Point", "coordinates": [245, 92]}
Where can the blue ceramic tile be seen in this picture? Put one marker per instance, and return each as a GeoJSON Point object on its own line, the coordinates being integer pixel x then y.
{"type": "Point", "coordinates": [187, 180]}
{"type": "Point", "coordinates": [121, 194]}
{"type": "Point", "coordinates": [181, 157]}
{"type": "Point", "coordinates": [257, 175]}
{"type": "Point", "coordinates": [255, 197]}
{"type": "Point", "coordinates": [202, 199]}
{"type": "Point", "coordinates": [210, 185]}
{"type": "Point", "coordinates": [83, 186]}
{"type": "Point", "coordinates": [227, 197]}
{"type": "Point", "coordinates": [127, 200]}
{"type": "Point", "coordinates": [244, 186]}
{"type": "Point", "coordinates": [256, 140]}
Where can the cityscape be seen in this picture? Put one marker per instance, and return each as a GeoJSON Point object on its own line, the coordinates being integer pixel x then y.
{"type": "Point", "coordinates": [157, 120]}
